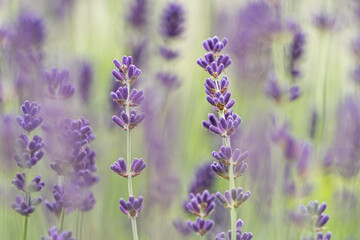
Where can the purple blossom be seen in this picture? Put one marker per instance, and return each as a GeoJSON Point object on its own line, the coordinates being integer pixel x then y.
{"type": "Point", "coordinates": [172, 20]}
{"type": "Point", "coordinates": [58, 84]}
{"type": "Point", "coordinates": [234, 198]}
{"type": "Point", "coordinates": [297, 50]}
{"type": "Point", "coordinates": [225, 156]}
{"type": "Point", "coordinates": [24, 207]}
{"type": "Point", "coordinates": [128, 122]}
{"type": "Point", "coordinates": [204, 179]}
{"type": "Point", "coordinates": [200, 226]}
{"type": "Point", "coordinates": [214, 44]}
{"type": "Point", "coordinates": [29, 153]}
{"type": "Point", "coordinates": [239, 234]}
{"type": "Point", "coordinates": [224, 127]}
{"type": "Point", "coordinates": [120, 167]}
{"type": "Point", "coordinates": [138, 13]}
{"type": "Point", "coordinates": [201, 205]}
{"type": "Point", "coordinates": [88, 202]}
{"type": "Point", "coordinates": [127, 73]}
{"type": "Point", "coordinates": [36, 185]}
{"type": "Point", "coordinates": [168, 53]}
{"type": "Point", "coordinates": [169, 80]}
{"type": "Point", "coordinates": [182, 227]}
{"type": "Point", "coordinates": [85, 81]}
{"type": "Point", "coordinates": [19, 181]}
{"type": "Point", "coordinates": [133, 207]}
{"type": "Point", "coordinates": [31, 120]}
{"type": "Point", "coordinates": [55, 234]}
{"type": "Point", "coordinates": [121, 97]}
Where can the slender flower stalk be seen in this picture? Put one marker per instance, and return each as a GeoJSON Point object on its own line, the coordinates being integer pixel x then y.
{"type": "Point", "coordinates": [28, 154]}
{"type": "Point", "coordinates": [127, 73]}
{"type": "Point", "coordinates": [230, 164]}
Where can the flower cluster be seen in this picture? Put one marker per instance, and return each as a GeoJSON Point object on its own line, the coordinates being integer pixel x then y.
{"type": "Point", "coordinates": [127, 73]}
{"type": "Point", "coordinates": [312, 218]}
{"type": "Point", "coordinates": [29, 153]}
{"type": "Point", "coordinates": [239, 234]}
{"type": "Point", "coordinates": [171, 28]}
{"type": "Point", "coordinates": [58, 84]}
{"type": "Point", "coordinates": [230, 164]}
{"type": "Point", "coordinates": [201, 205]}
{"type": "Point", "coordinates": [55, 234]}
{"type": "Point", "coordinates": [76, 162]}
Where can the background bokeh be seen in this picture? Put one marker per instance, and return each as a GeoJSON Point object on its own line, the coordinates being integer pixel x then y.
{"type": "Point", "coordinates": [171, 139]}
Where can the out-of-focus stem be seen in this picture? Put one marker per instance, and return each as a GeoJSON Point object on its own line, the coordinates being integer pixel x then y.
{"type": "Point", "coordinates": [25, 227]}
{"type": "Point", "coordinates": [128, 161]}
{"type": "Point", "coordinates": [62, 216]}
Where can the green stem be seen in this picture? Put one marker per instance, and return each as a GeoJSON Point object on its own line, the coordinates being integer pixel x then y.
{"type": "Point", "coordinates": [233, 213]}
{"type": "Point", "coordinates": [134, 228]}
{"type": "Point", "coordinates": [62, 216]}
{"type": "Point", "coordinates": [128, 161]}
{"type": "Point", "coordinates": [25, 227]}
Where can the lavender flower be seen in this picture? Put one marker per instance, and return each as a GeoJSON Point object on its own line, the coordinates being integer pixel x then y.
{"type": "Point", "coordinates": [230, 166]}
{"type": "Point", "coordinates": [138, 13]}
{"type": "Point", "coordinates": [204, 179]}
{"type": "Point", "coordinates": [234, 198]}
{"type": "Point", "coordinates": [297, 50]}
{"type": "Point", "coordinates": [19, 181]}
{"type": "Point", "coordinates": [169, 80]}
{"type": "Point", "coordinates": [29, 152]}
{"type": "Point", "coordinates": [133, 207]}
{"type": "Point", "coordinates": [55, 234]}
{"type": "Point", "coordinates": [31, 120]}
{"type": "Point", "coordinates": [324, 21]}
{"type": "Point", "coordinates": [58, 84]}
{"type": "Point", "coordinates": [200, 226]}
{"type": "Point", "coordinates": [172, 20]}
{"type": "Point", "coordinates": [126, 74]}
{"type": "Point", "coordinates": [239, 234]}
{"type": "Point", "coordinates": [201, 205]}
{"type": "Point", "coordinates": [25, 207]}
{"type": "Point", "coordinates": [36, 185]}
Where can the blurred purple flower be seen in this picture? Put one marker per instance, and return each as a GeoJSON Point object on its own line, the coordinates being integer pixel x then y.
{"type": "Point", "coordinates": [55, 234]}
{"type": "Point", "coordinates": [138, 14]}
{"type": "Point", "coordinates": [172, 20]}
{"type": "Point", "coordinates": [85, 81]}
{"type": "Point", "coordinates": [239, 234]}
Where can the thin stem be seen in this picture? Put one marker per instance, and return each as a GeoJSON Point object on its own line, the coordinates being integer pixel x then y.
{"type": "Point", "coordinates": [81, 225]}
{"type": "Point", "coordinates": [134, 228]}
{"type": "Point", "coordinates": [62, 216]}
{"type": "Point", "coordinates": [26, 227]}
{"type": "Point", "coordinates": [128, 160]}
{"type": "Point", "coordinates": [77, 224]}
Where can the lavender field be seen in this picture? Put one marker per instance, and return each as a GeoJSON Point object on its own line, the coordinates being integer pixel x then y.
{"type": "Point", "coordinates": [179, 119]}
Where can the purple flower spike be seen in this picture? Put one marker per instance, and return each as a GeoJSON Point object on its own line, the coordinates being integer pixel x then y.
{"type": "Point", "coordinates": [137, 166]}
{"type": "Point", "coordinates": [60, 201]}
{"type": "Point", "coordinates": [138, 13]}
{"type": "Point", "coordinates": [22, 207]}
{"type": "Point", "coordinates": [55, 234]}
{"type": "Point", "coordinates": [120, 168]}
{"type": "Point", "coordinates": [58, 84]}
{"type": "Point", "coordinates": [324, 21]}
{"type": "Point", "coordinates": [204, 179]}
{"type": "Point", "coordinates": [239, 234]}
{"type": "Point", "coordinates": [321, 236]}
{"type": "Point", "coordinates": [172, 20]}
{"type": "Point", "coordinates": [201, 226]}
{"type": "Point", "coordinates": [36, 185]}
{"type": "Point", "coordinates": [225, 127]}
{"type": "Point", "coordinates": [19, 181]}
{"type": "Point", "coordinates": [233, 199]}
{"type": "Point", "coordinates": [31, 120]}
{"type": "Point", "coordinates": [29, 152]}
{"type": "Point", "coordinates": [220, 170]}
{"type": "Point", "coordinates": [201, 205]}
{"type": "Point", "coordinates": [294, 93]}
{"type": "Point", "coordinates": [133, 207]}
{"type": "Point", "coordinates": [128, 122]}
{"type": "Point", "coordinates": [214, 44]}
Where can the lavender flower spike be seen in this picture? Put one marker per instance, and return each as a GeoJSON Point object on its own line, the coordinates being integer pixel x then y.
{"type": "Point", "coordinates": [128, 122]}
{"type": "Point", "coordinates": [29, 153]}
{"type": "Point", "coordinates": [19, 181]}
{"type": "Point", "coordinates": [172, 20]}
{"type": "Point", "coordinates": [133, 207]}
{"type": "Point", "coordinates": [24, 207]}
